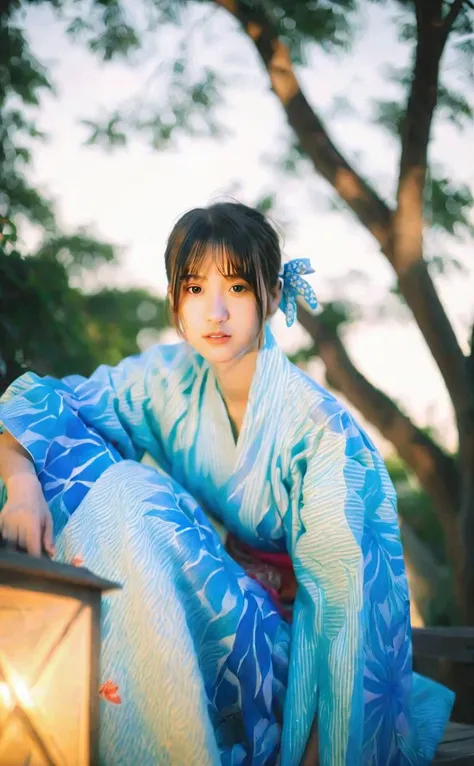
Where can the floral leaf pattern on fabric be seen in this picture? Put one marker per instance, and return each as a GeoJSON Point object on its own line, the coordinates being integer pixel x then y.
{"type": "Point", "coordinates": [303, 478]}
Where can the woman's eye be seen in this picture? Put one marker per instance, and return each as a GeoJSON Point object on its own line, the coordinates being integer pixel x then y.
{"type": "Point", "coordinates": [238, 288]}
{"type": "Point", "coordinates": [193, 289]}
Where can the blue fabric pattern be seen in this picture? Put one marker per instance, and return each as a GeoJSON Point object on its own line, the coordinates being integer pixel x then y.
{"type": "Point", "coordinates": [189, 624]}
{"type": "Point", "coordinates": [294, 285]}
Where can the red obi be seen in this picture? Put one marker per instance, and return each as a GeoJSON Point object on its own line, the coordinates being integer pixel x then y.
{"type": "Point", "coordinates": [274, 571]}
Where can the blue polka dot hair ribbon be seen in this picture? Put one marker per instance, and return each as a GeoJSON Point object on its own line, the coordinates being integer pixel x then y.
{"type": "Point", "coordinates": [294, 285]}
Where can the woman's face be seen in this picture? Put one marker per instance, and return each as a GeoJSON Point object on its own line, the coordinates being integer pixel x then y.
{"type": "Point", "coordinates": [218, 314]}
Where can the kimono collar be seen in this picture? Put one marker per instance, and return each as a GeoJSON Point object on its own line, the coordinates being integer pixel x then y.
{"type": "Point", "coordinates": [266, 397]}
{"type": "Point", "coordinates": [270, 361]}
{"type": "Point", "coordinates": [247, 488]}
{"type": "Point", "coordinates": [239, 470]}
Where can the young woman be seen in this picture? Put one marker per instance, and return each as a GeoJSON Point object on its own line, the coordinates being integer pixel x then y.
{"type": "Point", "coordinates": [205, 668]}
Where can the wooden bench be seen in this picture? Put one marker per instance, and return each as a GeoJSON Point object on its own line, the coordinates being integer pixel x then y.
{"type": "Point", "coordinates": [452, 645]}
{"type": "Point", "coordinates": [457, 747]}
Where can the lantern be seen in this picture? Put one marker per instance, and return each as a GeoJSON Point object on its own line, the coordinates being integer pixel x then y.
{"type": "Point", "coordinates": [49, 662]}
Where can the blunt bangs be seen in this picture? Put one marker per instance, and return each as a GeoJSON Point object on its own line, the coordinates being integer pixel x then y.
{"type": "Point", "coordinates": [239, 240]}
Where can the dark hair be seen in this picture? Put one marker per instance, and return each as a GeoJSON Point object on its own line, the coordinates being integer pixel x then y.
{"type": "Point", "coordinates": [242, 242]}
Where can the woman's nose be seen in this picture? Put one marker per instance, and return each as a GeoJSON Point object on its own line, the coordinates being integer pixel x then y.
{"type": "Point", "coordinates": [218, 311]}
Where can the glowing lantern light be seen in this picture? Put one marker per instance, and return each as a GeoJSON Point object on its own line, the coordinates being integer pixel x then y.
{"type": "Point", "coordinates": [49, 662]}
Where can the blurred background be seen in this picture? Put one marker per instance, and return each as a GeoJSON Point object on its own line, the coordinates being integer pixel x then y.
{"type": "Point", "coordinates": [349, 123]}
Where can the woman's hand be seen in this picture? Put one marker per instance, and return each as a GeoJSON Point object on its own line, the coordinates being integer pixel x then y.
{"type": "Point", "coordinates": [25, 520]}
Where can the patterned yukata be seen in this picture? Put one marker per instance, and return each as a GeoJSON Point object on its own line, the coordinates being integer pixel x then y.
{"type": "Point", "coordinates": [203, 664]}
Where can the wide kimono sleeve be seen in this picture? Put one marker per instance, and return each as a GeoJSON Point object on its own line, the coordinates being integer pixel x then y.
{"type": "Point", "coordinates": [352, 607]}
{"type": "Point", "coordinates": [76, 427]}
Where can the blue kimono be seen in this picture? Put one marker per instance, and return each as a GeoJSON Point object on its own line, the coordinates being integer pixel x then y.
{"type": "Point", "coordinates": [202, 663]}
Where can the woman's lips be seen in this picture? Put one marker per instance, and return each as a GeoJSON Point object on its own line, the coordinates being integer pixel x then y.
{"type": "Point", "coordinates": [217, 338]}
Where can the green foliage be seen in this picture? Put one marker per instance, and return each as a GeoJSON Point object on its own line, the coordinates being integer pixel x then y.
{"type": "Point", "coordinates": [301, 357]}
{"type": "Point", "coordinates": [328, 24]}
{"type": "Point", "coordinates": [397, 469]}
{"type": "Point", "coordinates": [187, 108]}
{"type": "Point", "coordinates": [448, 206]}
{"type": "Point", "coordinates": [103, 26]}
{"type": "Point", "coordinates": [118, 39]}
{"type": "Point", "coordinates": [52, 328]}
{"type": "Point", "coordinates": [416, 508]}
{"type": "Point", "coordinates": [266, 204]}
{"type": "Point", "coordinates": [291, 161]}
{"type": "Point", "coordinates": [45, 323]}
{"type": "Point", "coordinates": [189, 97]}
{"type": "Point", "coordinates": [452, 105]}
{"type": "Point", "coordinates": [334, 315]}
{"type": "Point", "coordinates": [110, 134]}
{"type": "Point", "coordinates": [20, 72]}
{"type": "Point", "coordinates": [116, 319]}
{"type": "Point", "coordinates": [22, 78]}
{"type": "Point", "coordinates": [389, 115]}
{"type": "Point", "coordinates": [76, 252]}
{"type": "Point", "coordinates": [464, 24]}
{"type": "Point", "coordinates": [41, 319]}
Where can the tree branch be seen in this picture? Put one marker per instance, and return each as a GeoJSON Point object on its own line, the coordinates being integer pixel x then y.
{"type": "Point", "coordinates": [429, 583]}
{"type": "Point", "coordinates": [414, 279]}
{"type": "Point", "coordinates": [400, 236]}
{"type": "Point", "coordinates": [415, 282]}
{"type": "Point", "coordinates": [436, 471]}
{"type": "Point", "coordinates": [453, 13]}
{"type": "Point", "coordinates": [471, 355]}
{"type": "Point", "coordinates": [329, 162]}
{"type": "Point", "coordinates": [418, 14]}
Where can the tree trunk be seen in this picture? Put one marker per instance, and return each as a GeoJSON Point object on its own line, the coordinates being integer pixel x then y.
{"type": "Point", "coordinates": [436, 471]}
{"type": "Point", "coordinates": [429, 583]}
{"type": "Point", "coordinates": [400, 236]}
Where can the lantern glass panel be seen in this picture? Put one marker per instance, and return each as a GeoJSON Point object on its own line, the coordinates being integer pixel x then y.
{"type": "Point", "coordinates": [45, 656]}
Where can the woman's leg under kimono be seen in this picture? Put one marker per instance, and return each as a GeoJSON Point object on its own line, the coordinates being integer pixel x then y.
{"type": "Point", "coordinates": [195, 647]}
